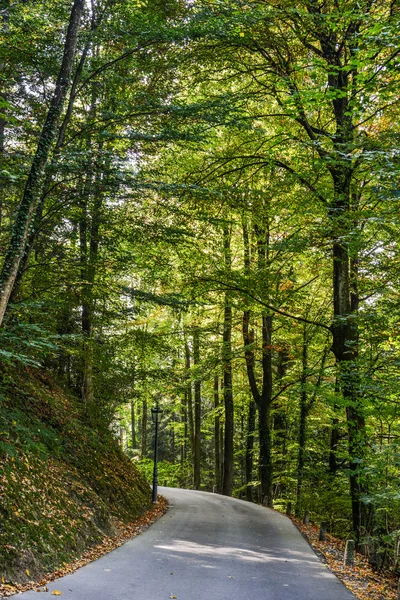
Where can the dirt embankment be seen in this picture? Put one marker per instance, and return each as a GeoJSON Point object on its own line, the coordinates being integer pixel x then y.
{"type": "Point", "coordinates": [64, 485]}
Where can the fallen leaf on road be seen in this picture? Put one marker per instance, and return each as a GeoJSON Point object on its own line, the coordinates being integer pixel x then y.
{"type": "Point", "coordinates": [56, 593]}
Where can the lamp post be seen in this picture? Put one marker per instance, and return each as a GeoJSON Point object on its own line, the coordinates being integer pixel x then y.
{"type": "Point", "coordinates": [156, 418]}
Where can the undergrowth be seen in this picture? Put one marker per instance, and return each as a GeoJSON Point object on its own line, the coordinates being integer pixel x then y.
{"type": "Point", "coordinates": [63, 483]}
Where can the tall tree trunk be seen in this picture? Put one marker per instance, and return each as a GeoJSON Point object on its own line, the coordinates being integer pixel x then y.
{"type": "Point", "coordinates": [217, 431]}
{"type": "Point", "coordinates": [251, 425]}
{"type": "Point", "coordinates": [280, 421]}
{"type": "Point", "coordinates": [265, 415]}
{"type": "Point", "coordinates": [334, 441]}
{"type": "Point", "coordinates": [143, 452]}
{"type": "Point", "coordinates": [34, 182]}
{"type": "Point", "coordinates": [189, 397]}
{"type": "Point", "coordinates": [185, 427]}
{"type": "Point", "coordinates": [345, 345]}
{"type": "Point", "coordinates": [302, 424]}
{"type": "Point", "coordinates": [263, 398]}
{"type": "Point", "coordinates": [133, 423]}
{"type": "Point", "coordinates": [4, 19]}
{"type": "Point", "coordinates": [227, 480]}
{"type": "Point", "coordinates": [197, 412]}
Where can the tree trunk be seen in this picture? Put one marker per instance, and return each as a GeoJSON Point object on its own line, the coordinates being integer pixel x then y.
{"type": "Point", "coordinates": [5, 6]}
{"type": "Point", "coordinates": [333, 466]}
{"type": "Point", "coordinates": [251, 425]}
{"type": "Point", "coordinates": [33, 186]}
{"type": "Point", "coordinates": [265, 415]}
{"type": "Point", "coordinates": [302, 425]}
{"type": "Point", "coordinates": [143, 453]}
{"type": "Point", "coordinates": [189, 397]}
{"type": "Point", "coordinates": [35, 229]}
{"type": "Point", "coordinates": [217, 431]}
{"type": "Point", "coordinates": [228, 401]}
{"type": "Point", "coordinates": [133, 423]}
{"type": "Point", "coordinates": [227, 479]}
{"type": "Point", "coordinates": [345, 347]}
{"type": "Point", "coordinates": [185, 427]}
{"type": "Point", "coordinates": [197, 413]}
{"type": "Point", "coordinates": [263, 398]}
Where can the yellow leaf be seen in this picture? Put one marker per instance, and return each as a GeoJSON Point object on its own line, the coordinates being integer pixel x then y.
{"type": "Point", "coordinates": [56, 593]}
{"type": "Point", "coordinates": [28, 572]}
{"type": "Point", "coordinates": [241, 34]}
{"type": "Point", "coordinates": [3, 580]}
{"type": "Point", "coordinates": [172, 596]}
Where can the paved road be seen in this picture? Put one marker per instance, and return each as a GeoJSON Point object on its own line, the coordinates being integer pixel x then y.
{"type": "Point", "coordinates": [207, 547]}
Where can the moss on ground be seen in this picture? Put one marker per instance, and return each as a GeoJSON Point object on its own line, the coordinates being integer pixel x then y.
{"type": "Point", "coordinates": [63, 484]}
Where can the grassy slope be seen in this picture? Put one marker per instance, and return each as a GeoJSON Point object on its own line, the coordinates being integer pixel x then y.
{"type": "Point", "coordinates": [63, 485]}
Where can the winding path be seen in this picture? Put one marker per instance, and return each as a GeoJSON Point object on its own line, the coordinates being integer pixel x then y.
{"type": "Point", "coordinates": [207, 547]}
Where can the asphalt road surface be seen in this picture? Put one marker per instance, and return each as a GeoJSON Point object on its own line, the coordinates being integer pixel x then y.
{"type": "Point", "coordinates": [207, 547]}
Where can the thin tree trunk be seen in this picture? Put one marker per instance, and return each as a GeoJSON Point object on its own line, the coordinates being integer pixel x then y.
{"type": "Point", "coordinates": [143, 453]}
{"type": "Point", "coordinates": [217, 431]}
{"type": "Point", "coordinates": [133, 423]}
{"type": "Point", "coordinates": [302, 424]}
{"type": "Point", "coordinates": [227, 480]}
{"type": "Point", "coordinates": [265, 415]}
{"type": "Point", "coordinates": [189, 396]}
{"type": "Point", "coordinates": [263, 398]}
{"type": "Point", "coordinates": [185, 427]}
{"type": "Point", "coordinates": [251, 425]}
{"type": "Point", "coordinates": [333, 466]}
{"type": "Point", "coordinates": [35, 229]}
{"type": "Point", "coordinates": [5, 6]}
{"type": "Point", "coordinates": [197, 413]}
{"type": "Point", "coordinates": [34, 182]}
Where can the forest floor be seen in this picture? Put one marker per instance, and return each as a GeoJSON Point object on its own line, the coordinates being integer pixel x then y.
{"type": "Point", "coordinates": [66, 486]}
{"type": "Point", "coordinates": [362, 580]}
{"type": "Point", "coordinates": [124, 533]}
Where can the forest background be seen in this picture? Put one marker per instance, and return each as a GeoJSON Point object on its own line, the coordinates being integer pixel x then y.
{"type": "Point", "coordinates": [199, 205]}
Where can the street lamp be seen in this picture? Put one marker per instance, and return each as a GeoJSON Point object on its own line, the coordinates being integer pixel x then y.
{"type": "Point", "coordinates": [156, 418]}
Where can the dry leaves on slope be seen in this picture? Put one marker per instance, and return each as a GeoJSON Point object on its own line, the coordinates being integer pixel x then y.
{"type": "Point", "coordinates": [361, 579]}
{"type": "Point", "coordinates": [125, 533]}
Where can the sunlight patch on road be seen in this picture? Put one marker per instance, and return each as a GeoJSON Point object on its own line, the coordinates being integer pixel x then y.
{"type": "Point", "coordinates": [187, 547]}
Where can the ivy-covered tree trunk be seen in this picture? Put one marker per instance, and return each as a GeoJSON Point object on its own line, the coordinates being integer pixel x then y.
{"type": "Point", "coordinates": [34, 182]}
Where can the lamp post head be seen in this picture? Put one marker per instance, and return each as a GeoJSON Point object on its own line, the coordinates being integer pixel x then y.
{"type": "Point", "coordinates": [156, 413]}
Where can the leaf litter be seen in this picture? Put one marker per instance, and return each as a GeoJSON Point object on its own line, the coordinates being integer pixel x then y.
{"type": "Point", "coordinates": [362, 580]}
{"type": "Point", "coordinates": [124, 533]}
